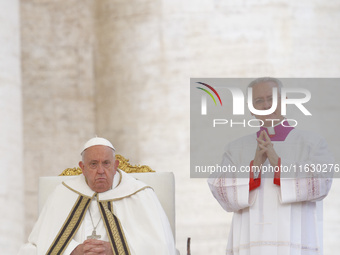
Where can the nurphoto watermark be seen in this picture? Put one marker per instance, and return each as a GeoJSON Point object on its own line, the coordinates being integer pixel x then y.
{"type": "Point", "coordinates": [227, 115]}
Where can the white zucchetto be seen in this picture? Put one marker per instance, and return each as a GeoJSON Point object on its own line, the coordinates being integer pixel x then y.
{"type": "Point", "coordinates": [97, 141]}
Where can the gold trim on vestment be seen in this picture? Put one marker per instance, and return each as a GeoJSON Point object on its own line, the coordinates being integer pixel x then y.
{"type": "Point", "coordinates": [114, 199]}
{"type": "Point", "coordinates": [114, 230]}
{"type": "Point", "coordinates": [70, 226]}
{"type": "Point", "coordinates": [111, 222]}
{"type": "Point", "coordinates": [120, 198]}
{"type": "Point", "coordinates": [81, 194]}
{"type": "Point", "coordinates": [120, 177]}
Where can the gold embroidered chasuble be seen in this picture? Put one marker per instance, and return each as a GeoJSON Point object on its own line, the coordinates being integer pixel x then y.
{"type": "Point", "coordinates": [112, 225]}
{"type": "Point", "coordinates": [131, 206]}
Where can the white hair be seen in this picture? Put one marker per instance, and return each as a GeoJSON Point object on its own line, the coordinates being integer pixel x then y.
{"type": "Point", "coordinates": [266, 79]}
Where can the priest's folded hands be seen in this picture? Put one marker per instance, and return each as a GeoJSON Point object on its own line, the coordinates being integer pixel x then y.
{"type": "Point", "coordinates": [265, 150]}
{"type": "Point", "coordinates": [93, 247]}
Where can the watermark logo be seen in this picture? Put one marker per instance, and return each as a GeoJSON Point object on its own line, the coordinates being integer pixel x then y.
{"type": "Point", "coordinates": [223, 110]}
{"type": "Point", "coordinates": [239, 101]}
{"type": "Point", "coordinates": [204, 98]}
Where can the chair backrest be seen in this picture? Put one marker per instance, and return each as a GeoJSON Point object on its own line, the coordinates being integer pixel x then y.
{"type": "Point", "coordinates": [162, 183]}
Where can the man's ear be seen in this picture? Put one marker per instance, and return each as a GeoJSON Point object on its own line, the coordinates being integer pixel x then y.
{"type": "Point", "coordinates": [81, 165]}
{"type": "Point", "coordinates": [116, 164]}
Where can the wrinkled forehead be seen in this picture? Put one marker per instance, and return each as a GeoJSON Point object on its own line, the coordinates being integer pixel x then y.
{"type": "Point", "coordinates": [264, 89]}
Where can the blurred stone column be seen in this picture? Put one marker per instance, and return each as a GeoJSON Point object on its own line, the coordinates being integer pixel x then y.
{"type": "Point", "coordinates": [129, 86]}
{"type": "Point", "coordinates": [57, 90]}
{"type": "Point", "coordinates": [142, 78]}
{"type": "Point", "coordinates": [11, 145]}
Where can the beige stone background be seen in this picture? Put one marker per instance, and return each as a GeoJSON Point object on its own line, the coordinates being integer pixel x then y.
{"type": "Point", "coordinates": [72, 69]}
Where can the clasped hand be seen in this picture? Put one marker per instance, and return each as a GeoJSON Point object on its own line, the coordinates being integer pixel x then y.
{"type": "Point", "coordinates": [265, 150]}
{"type": "Point", "coordinates": [93, 247]}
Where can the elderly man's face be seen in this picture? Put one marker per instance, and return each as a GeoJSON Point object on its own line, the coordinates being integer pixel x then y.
{"type": "Point", "coordinates": [99, 167]}
{"type": "Point", "coordinates": [263, 99]}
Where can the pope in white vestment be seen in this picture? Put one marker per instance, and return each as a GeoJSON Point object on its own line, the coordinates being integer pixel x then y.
{"type": "Point", "coordinates": [128, 216]}
{"type": "Point", "coordinates": [275, 214]}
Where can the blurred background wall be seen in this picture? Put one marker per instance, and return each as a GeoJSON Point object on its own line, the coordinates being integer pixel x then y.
{"type": "Point", "coordinates": [12, 215]}
{"type": "Point", "coordinates": [121, 69]}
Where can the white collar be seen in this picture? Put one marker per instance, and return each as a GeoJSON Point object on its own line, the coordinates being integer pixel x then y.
{"type": "Point", "coordinates": [123, 186]}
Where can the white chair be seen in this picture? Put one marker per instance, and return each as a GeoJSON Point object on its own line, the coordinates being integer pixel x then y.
{"type": "Point", "coordinates": [162, 183]}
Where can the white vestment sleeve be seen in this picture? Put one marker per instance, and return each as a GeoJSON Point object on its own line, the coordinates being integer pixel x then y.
{"type": "Point", "coordinates": [230, 191]}
{"type": "Point", "coordinates": [313, 175]}
{"type": "Point", "coordinates": [28, 249]}
{"type": "Point", "coordinates": [168, 235]}
{"type": "Point", "coordinates": [145, 224]}
{"type": "Point", "coordinates": [49, 222]}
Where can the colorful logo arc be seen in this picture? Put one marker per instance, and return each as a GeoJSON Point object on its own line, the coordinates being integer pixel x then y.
{"type": "Point", "coordinates": [213, 90]}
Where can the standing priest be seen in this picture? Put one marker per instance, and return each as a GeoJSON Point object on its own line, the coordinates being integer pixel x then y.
{"type": "Point", "coordinates": [103, 211]}
{"type": "Point", "coordinates": [273, 213]}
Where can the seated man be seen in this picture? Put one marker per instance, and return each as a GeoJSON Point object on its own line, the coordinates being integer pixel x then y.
{"type": "Point", "coordinates": [103, 211]}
